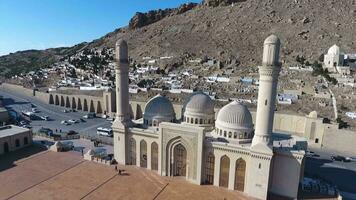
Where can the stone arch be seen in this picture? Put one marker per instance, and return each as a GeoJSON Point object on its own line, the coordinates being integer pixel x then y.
{"type": "Point", "coordinates": [224, 171]}
{"type": "Point", "coordinates": [132, 152]}
{"type": "Point", "coordinates": [74, 105]}
{"type": "Point", "coordinates": [91, 108]}
{"type": "Point", "coordinates": [56, 100]}
{"type": "Point", "coordinates": [17, 143]}
{"type": "Point", "coordinates": [62, 101]}
{"type": "Point", "coordinates": [67, 102]}
{"type": "Point", "coordinates": [179, 160]}
{"type": "Point", "coordinates": [170, 147]}
{"type": "Point", "coordinates": [240, 172]}
{"type": "Point", "coordinates": [51, 99]}
{"type": "Point", "coordinates": [209, 169]}
{"type": "Point", "coordinates": [98, 108]}
{"type": "Point", "coordinates": [85, 106]}
{"type": "Point", "coordinates": [143, 154]}
{"type": "Point", "coordinates": [79, 107]}
{"type": "Point", "coordinates": [138, 112]}
{"type": "Point", "coordinates": [154, 156]}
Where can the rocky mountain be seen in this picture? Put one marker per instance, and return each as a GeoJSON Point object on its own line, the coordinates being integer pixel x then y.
{"type": "Point", "coordinates": [233, 31]}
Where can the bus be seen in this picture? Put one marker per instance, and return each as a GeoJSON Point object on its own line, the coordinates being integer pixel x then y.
{"type": "Point", "coordinates": [104, 131]}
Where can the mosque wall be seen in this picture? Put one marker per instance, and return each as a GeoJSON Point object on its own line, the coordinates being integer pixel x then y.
{"type": "Point", "coordinates": [286, 167]}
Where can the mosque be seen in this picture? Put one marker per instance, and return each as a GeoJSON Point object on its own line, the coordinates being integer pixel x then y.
{"type": "Point", "coordinates": [223, 149]}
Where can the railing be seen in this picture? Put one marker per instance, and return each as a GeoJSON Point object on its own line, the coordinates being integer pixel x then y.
{"type": "Point", "coordinates": [59, 137]}
{"type": "Point", "coordinates": [99, 139]}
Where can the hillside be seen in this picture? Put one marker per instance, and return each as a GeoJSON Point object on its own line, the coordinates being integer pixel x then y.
{"type": "Point", "coordinates": [231, 33]}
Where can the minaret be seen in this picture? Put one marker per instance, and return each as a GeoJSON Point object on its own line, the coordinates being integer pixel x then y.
{"type": "Point", "coordinates": [122, 82]}
{"type": "Point", "coordinates": [269, 72]}
{"type": "Point", "coordinates": [122, 120]}
{"type": "Point", "coordinates": [261, 153]}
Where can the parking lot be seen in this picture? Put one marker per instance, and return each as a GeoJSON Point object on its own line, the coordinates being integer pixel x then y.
{"type": "Point", "coordinates": [19, 102]}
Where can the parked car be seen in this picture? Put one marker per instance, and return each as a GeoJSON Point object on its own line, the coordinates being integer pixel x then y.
{"type": "Point", "coordinates": [72, 110]}
{"type": "Point", "coordinates": [340, 158]}
{"type": "Point", "coordinates": [64, 122]}
{"type": "Point", "coordinates": [89, 116]}
{"type": "Point", "coordinates": [71, 132]}
{"type": "Point", "coordinates": [65, 111]}
{"type": "Point", "coordinates": [46, 118]}
{"type": "Point", "coordinates": [82, 120]}
{"type": "Point", "coordinates": [26, 126]}
{"type": "Point", "coordinates": [22, 123]}
{"type": "Point", "coordinates": [46, 131]}
{"type": "Point", "coordinates": [73, 121]}
{"type": "Point", "coordinates": [35, 110]}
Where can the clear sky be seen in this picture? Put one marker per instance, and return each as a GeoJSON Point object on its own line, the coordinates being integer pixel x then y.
{"type": "Point", "coordinates": [41, 24]}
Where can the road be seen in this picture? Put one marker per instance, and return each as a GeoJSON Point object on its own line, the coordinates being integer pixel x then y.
{"type": "Point", "coordinates": [341, 174]}
{"type": "Point", "coordinates": [20, 102]}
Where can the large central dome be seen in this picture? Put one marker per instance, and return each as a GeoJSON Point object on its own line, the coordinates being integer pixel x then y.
{"type": "Point", "coordinates": [234, 121]}
{"type": "Point", "coordinates": [199, 109]}
{"type": "Point", "coordinates": [157, 110]}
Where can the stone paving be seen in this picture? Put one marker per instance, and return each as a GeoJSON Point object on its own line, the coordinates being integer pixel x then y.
{"type": "Point", "coordinates": [50, 175]}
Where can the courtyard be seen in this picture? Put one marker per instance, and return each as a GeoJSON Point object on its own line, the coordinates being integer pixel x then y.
{"type": "Point", "coordinates": [49, 175]}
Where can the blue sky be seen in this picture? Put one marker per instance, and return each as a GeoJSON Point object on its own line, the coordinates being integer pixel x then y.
{"type": "Point", "coordinates": [41, 24]}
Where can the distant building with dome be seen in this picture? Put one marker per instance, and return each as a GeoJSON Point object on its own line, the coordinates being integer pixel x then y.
{"type": "Point", "coordinates": [223, 149]}
{"type": "Point", "coordinates": [334, 61]}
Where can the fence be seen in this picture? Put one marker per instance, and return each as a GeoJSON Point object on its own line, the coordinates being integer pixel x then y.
{"type": "Point", "coordinates": [99, 139]}
{"type": "Point", "coordinates": [58, 137]}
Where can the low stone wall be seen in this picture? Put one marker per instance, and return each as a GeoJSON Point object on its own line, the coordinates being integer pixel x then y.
{"type": "Point", "coordinates": [341, 141]}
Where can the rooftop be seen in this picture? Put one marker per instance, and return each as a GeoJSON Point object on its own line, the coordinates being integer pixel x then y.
{"type": "Point", "coordinates": [50, 175]}
{"type": "Point", "coordinates": [11, 130]}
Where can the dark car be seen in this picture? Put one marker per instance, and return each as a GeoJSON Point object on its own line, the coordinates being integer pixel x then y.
{"type": "Point", "coordinates": [71, 132]}
{"type": "Point", "coordinates": [82, 120]}
{"type": "Point", "coordinates": [340, 158]}
{"type": "Point", "coordinates": [46, 131]}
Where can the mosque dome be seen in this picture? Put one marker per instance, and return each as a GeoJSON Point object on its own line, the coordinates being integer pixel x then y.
{"type": "Point", "coordinates": [158, 109]}
{"type": "Point", "coordinates": [199, 109]}
{"type": "Point", "coordinates": [234, 121]}
{"type": "Point", "coordinates": [334, 50]}
{"type": "Point", "coordinates": [200, 103]}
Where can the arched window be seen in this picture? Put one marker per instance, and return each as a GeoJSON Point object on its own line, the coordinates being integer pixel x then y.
{"type": "Point", "coordinates": [196, 120]}
{"type": "Point", "coordinates": [230, 134]}
{"type": "Point", "coordinates": [187, 120]}
{"type": "Point", "coordinates": [220, 132]}
{"type": "Point", "coordinates": [245, 135]}
{"type": "Point", "coordinates": [235, 135]}
{"type": "Point", "coordinates": [224, 133]}
{"type": "Point", "coordinates": [17, 142]}
{"type": "Point", "coordinates": [209, 122]}
{"type": "Point", "coordinates": [266, 102]}
{"type": "Point", "coordinates": [240, 136]}
{"type": "Point", "coordinates": [191, 120]}
{"type": "Point", "coordinates": [201, 121]}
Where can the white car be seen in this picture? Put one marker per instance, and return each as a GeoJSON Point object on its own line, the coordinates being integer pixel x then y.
{"type": "Point", "coordinates": [73, 121]}
{"type": "Point", "coordinates": [65, 122]}
{"type": "Point", "coordinates": [46, 118]}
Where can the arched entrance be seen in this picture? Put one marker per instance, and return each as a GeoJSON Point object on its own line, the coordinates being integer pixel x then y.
{"type": "Point", "coordinates": [51, 100]}
{"type": "Point", "coordinates": [209, 169]}
{"type": "Point", "coordinates": [143, 154]}
{"type": "Point", "coordinates": [56, 100]}
{"type": "Point", "coordinates": [85, 105]}
{"type": "Point", "coordinates": [240, 171]}
{"type": "Point", "coordinates": [132, 152]}
{"type": "Point", "coordinates": [179, 160]}
{"type": "Point", "coordinates": [62, 101]}
{"type": "Point", "coordinates": [74, 105]}
{"type": "Point", "coordinates": [79, 107]}
{"type": "Point", "coordinates": [224, 171]}
{"type": "Point", "coordinates": [154, 156]}
{"type": "Point", "coordinates": [91, 108]}
{"type": "Point", "coordinates": [6, 147]}
{"type": "Point", "coordinates": [98, 108]}
{"type": "Point", "coordinates": [67, 102]}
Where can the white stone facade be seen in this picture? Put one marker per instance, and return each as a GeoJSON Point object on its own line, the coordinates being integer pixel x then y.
{"type": "Point", "coordinates": [227, 152]}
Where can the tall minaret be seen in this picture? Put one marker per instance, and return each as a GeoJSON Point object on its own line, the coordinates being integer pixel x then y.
{"type": "Point", "coordinates": [122, 82]}
{"type": "Point", "coordinates": [269, 72]}
{"type": "Point", "coordinates": [122, 121]}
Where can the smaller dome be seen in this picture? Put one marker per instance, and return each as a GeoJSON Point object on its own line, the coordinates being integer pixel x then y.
{"type": "Point", "coordinates": [199, 103]}
{"type": "Point", "coordinates": [234, 116]}
{"type": "Point", "coordinates": [160, 108]}
{"type": "Point", "coordinates": [272, 39]}
{"type": "Point", "coordinates": [334, 50]}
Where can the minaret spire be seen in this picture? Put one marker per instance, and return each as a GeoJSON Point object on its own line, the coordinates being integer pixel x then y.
{"type": "Point", "coordinates": [269, 72]}
{"type": "Point", "coordinates": [122, 82]}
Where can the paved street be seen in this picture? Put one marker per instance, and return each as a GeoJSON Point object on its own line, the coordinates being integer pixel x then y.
{"type": "Point", "coordinates": [20, 102]}
{"type": "Point", "coordinates": [342, 174]}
